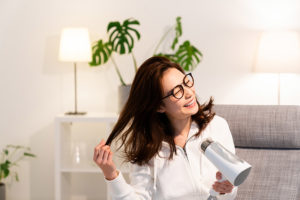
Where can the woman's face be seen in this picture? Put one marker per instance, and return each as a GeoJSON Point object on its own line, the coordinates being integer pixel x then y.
{"type": "Point", "coordinates": [173, 107]}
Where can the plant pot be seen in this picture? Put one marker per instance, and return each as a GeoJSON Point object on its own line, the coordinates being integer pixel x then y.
{"type": "Point", "coordinates": [124, 91]}
{"type": "Point", "coordinates": [2, 191]}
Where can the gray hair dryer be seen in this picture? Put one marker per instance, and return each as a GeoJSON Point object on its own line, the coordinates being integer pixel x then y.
{"type": "Point", "coordinates": [233, 169]}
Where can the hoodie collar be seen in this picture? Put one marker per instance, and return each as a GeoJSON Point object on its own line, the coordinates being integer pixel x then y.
{"type": "Point", "coordinates": [192, 132]}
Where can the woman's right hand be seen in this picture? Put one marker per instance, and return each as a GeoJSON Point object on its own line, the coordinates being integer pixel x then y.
{"type": "Point", "coordinates": [103, 158]}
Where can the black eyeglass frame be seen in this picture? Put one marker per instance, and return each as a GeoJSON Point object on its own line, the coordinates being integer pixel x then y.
{"type": "Point", "coordinates": [181, 87]}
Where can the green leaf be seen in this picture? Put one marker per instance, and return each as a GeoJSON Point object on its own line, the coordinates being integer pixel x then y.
{"type": "Point", "coordinates": [178, 32]}
{"type": "Point", "coordinates": [121, 36]}
{"type": "Point", "coordinates": [5, 151]}
{"type": "Point", "coordinates": [17, 177]}
{"type": "Point", "coordinates": [188, 56]}
{"type": "Point", "coordinates": [29, 154]}
{"type": "Point", "coordinates": [101, 53]}
{"type": "Point", "coordinates": [6, 172]}
{"type": "Point", "coordinates": [5, 168]}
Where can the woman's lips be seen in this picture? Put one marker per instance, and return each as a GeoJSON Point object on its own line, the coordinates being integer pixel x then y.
{"type": "Point", "coordinates": [190, 104]}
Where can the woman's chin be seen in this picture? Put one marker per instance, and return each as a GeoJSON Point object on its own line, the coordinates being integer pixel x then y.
{"type": "Point", "coordinates": [192, 109]}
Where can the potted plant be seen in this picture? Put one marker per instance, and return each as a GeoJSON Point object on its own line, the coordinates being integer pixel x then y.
{"type": "Point", "coordinates": [10, 156]}
{"type": "Point", "coordinates": [121, 41]}
{"type": "Point", "coordinates": [185, 54]}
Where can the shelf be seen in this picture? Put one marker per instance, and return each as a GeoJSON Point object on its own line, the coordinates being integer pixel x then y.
{"type": "Point", "coordinates": [72, 170]}
{"type": "Point", "coordinates": [89, 117]}
{"type": "Point", "coordinates": [80, 131]}
{"type": "Point", "coordinates": [88, 170]}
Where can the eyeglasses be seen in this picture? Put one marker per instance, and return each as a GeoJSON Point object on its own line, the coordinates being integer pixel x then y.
{"type": "Point", "coordinates": [178, 91]}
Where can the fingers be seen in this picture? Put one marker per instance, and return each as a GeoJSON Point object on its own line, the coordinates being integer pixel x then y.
{"type": "Point", "coordinates": [103, 158]}
{"type": "Point", "coordinates": [223, 187]}
{"type": "Point", "coordinates": [110, 157]}
{"type": "Point", "coordinates": [97, 151]}
{"type": "Point", "coordinates": [219, 175]}
{"type": "Point", "coordinates": [102, 152]}
{"type": "Point", "coordinates": [102, 142]}
{"type": "Point", "coordinates": [103, 155]}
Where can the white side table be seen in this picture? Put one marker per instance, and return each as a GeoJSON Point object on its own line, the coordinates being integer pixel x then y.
{"type": "Point", "coordinates": [63, 168]}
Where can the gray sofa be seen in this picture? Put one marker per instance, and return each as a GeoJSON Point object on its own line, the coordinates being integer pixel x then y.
{"type": "Point", "coordinates": [267, 137]}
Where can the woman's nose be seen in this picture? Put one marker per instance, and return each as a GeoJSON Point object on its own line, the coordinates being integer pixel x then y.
{"type": "Point", "coordinates": [188, 92]}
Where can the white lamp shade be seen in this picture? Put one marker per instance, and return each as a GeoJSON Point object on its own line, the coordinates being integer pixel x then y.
{"type": "Point", "coordinates": [278, 52]}
{"type": "Point", "coordinates": [75, 45]}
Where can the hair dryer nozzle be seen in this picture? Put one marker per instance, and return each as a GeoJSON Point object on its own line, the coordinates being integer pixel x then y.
{"type": "Point", "coordinates": [206, 143]}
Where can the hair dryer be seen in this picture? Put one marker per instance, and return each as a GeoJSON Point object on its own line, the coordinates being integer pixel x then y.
{"type": "Point", "coordinates": [234, 169]}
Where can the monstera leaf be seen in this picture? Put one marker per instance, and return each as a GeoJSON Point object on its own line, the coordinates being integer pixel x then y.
{"type": "Point", "coordinates": [188, 56]}
{"type": "Point", "coordinates": [121, 35]}
{"type": "Point", "coordinates": [4, 169]}
{"type": "Point", "coordinates": [178, 32]}
{"type": "Point", "coordinates": [101, 53]}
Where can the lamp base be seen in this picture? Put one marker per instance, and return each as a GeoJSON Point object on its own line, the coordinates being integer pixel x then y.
{"type": "Point", "coordinates": [75, 113]}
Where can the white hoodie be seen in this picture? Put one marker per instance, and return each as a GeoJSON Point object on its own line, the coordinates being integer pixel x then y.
{"type": "Point", "coordinates": [188, 176]}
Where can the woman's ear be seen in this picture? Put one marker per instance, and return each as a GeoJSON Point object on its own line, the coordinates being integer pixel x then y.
{"type": "Point", "coordinates": [161, 109]}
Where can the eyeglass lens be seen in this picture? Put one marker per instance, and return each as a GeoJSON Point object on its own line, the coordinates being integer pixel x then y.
{"type": "Point", "coordinates": [179, 90]}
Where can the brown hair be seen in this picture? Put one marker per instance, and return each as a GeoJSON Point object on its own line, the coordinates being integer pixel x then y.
{"type": "Point", "coordinates": [141, 128]}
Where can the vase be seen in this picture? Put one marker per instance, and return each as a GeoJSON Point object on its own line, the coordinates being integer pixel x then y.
{"type": "Point", "coordinates": [2, 191]}
{"type": "Point", "coordinates": [124, 91]}
{"type": "Point", "coordinates": [78, 154]}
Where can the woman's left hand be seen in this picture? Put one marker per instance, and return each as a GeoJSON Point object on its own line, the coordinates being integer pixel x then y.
{"type": "Point", "coordinates": [222, 187]}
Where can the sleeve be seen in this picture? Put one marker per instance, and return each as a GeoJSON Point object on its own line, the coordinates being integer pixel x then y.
{"type": "Point", "coordinates": [226, 137]}
{"type": "Point", "coordinates": [140, 187]}
{"type": "Point", "coordinates": [227, 141]}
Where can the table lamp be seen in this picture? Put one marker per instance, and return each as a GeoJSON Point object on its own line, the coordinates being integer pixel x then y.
{"type": "Point", "coordinates": [75, 47]}
{"type": "Point", "coordinates": [278, 52]}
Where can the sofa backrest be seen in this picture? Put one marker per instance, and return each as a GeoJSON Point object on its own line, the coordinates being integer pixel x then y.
{"type": "Point", "coordinates": [263, 126]}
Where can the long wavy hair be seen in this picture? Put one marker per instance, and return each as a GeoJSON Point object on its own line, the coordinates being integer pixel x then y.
{"type": "Point", "coordinates": [140, 127]}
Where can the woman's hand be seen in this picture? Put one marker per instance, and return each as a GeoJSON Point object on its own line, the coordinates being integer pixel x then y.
{"type": "Point", "coordinates": [222, 187]}
{"type": "Point", "coordinates": [103, 158]}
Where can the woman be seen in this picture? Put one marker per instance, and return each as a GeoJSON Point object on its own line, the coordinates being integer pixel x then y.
{"type": "Point", "coordinates": [161, 128]}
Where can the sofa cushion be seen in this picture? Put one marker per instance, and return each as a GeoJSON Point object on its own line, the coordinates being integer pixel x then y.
{"type": "Point", "coordinates": [275, 174]}
{"type": "Point", "coordinates": [265, 126]}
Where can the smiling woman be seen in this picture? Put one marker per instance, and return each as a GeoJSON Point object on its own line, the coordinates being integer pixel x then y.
{"type": "Point", "coordinates": [161, 128]}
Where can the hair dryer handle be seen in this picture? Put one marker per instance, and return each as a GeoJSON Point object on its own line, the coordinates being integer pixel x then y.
{"type": "Point", "coordinates": [212, 192]}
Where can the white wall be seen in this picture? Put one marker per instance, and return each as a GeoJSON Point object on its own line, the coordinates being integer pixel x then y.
{"type": "Point", "coordinates": [35, 86]}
